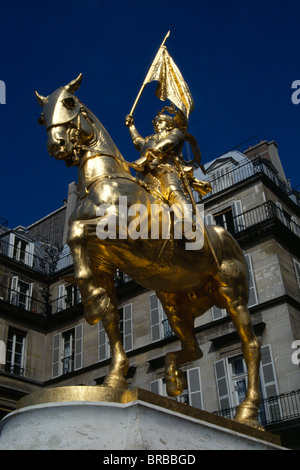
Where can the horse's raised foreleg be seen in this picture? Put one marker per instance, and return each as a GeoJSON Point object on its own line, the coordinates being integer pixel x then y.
{"type": "Point", "coordinates": [181, 320]}
{"type": "Point", "coordinates": [93, 295]}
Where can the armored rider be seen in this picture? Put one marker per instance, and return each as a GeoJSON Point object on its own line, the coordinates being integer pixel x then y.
{"type": "Point", "coordinates": [159, 153]}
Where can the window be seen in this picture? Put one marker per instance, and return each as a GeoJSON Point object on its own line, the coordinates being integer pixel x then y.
{"type": "Point", "coordinates": [230, 218]}
{"type": "Point", "coordinates": [218, 312]}
{"type": "Point", "coordinates": [67, 351]}
{"type": "Point", "coordinates": [253, 300]}
{"type": "Point", "coordinates": [126, 330]}
{"type": "Point", "coordinates": [67, 296]}
{"type": "Point", "coordinates": [225, 219]}
{"type": "Point", "coordinates": [191, 396]}
{"type": "Point", "coordinates": [289, 220]}
{"type": "Point", "coordinates": [238, 374]}
{"type": "Point", "coordinates": [15, 352]}
{"type": "Point", "coordinates": [125, 315]}
{"type": "Point", "coordinates": [21, 250]}
{"type": "Point", "coordinates": [103, 344]}
{"type": "Point", "coordinates": [21, 292]}
{"type": "Point", "coordinates": [231, 381]}
{"type": "Point", "coordinates": [160, 327]}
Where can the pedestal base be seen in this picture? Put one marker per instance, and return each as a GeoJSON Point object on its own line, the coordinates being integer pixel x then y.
{"type": "Point", "coordinates": [133, 420]}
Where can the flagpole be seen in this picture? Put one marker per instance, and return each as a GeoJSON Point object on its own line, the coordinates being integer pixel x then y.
{"type": "Point", "coordinates": [148, 74]}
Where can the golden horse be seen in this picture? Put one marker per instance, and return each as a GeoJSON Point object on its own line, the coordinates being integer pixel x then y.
{"type": "Point", "coordinates": [187, 282]}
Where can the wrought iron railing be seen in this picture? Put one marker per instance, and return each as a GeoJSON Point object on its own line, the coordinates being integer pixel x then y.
{"type": "Point", "coordinates": [22, 256]}
{"type": "Point", "coordinates": [223, 179]}
{"type": "Point", "coordinates": [273, 410]}
{"type": "Point", "coordinates": [14, 369]}
{"type": "Point", "coordinates": [22, 300]}
{"type": "Point", "coordinates": [264, 212]}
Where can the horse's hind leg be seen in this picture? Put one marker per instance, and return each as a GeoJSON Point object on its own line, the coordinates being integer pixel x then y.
{"type": "Point", "coordinates": [247, 411]}
{"type": "Point", "coordinates": [181, 321]}
{"type": "Point", "coordinates": [119, 361]}
{"type": "Point", "coordinates": [234, 298]}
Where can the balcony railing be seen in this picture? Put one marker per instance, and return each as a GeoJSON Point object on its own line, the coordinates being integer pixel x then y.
{"type": "Point", "coordinates": [273, 410]}
{"type": "Point", "coordinates": [266, 211]}
{"type": "Point", "coordinates": [22, 300]}
{"type": "Point", "coordinates": [223, 179]}
{"type": "Point", "coordinates": [22, 256]}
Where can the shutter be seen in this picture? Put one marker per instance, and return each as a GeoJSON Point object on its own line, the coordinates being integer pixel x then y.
{"type": "Point", "coordinates": [238, 219]}
{"type": "Point", "coordinates": [155, 318]}
{"type": "Point", "coordinates": [14, 290]}
{"type": "Point", "coordinates": [29, 250]}
{"type": "Point", "coordinates": [2, 352]}
{"type": "Point", "coordinates": [280, 212]}
{"type": "Point", "coordinates": [78, 295]}
{"type": "Point", "coordinates": [269, 384]}
{"type": "Point", "coordinates": [61, 298]}
{"type": "Point", "coordinates": [11, 242]}
{"type": "Point", "coordinates": [294, 226]}
{"type": "Point", "coordinates": [297, 269]}
{"type": "Point", "coordinates": [222, 384]}
{"type": "Point", "coordinates": [209, 220]}
{"type": "Point", "coordinates": [29, 296]}
{"type": "Point", "coordinates": [78, 347]}
{"type": "Point", "coordinates": [194, 387]}
{"type": "Point", "coordinates": [252, 289]}
{"type": "Point", "coordinates": [103, 346]}
{"type": "Point", "coordinates": [269, 379]}
{"type": "Point", "coordinates": [127, 327]}
{"type": "Point", "coordinates": [218, 312]}
{"type": "Point", "coordinates": [56, 356]}
{"type": "Point", "coordinates": [156, 386]}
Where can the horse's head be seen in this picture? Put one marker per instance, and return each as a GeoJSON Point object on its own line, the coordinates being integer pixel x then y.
{"type": "Point", "coordinates": [66, 130]}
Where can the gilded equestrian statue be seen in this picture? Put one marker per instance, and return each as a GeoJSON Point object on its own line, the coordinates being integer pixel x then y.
{"type": "Point", "coordinates": [187, 282]}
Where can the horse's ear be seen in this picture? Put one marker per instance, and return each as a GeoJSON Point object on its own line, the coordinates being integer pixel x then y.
{"type": "Point", "coordinates": [41, 99]}
{"type": "Point", "coordinates": [74, 85]}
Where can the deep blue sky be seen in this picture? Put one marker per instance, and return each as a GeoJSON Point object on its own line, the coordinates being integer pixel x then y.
{"type": "Point", "coordinates": [238, 57]}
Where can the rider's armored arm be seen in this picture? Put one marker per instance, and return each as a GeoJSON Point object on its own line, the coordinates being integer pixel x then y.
{"type": "Point", "coordinates": [137, 139]}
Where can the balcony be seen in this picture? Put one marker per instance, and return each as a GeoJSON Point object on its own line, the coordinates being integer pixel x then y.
{"type": "Point", "coordinates": [274, 410]}
{"type": "Point", "coordinates": [23, 257]}
{"type": "Point", "coordinates": [226, 179]}
{"type": "Point", "coordinates": [262, 213]}
{"type": "Point", "coordinates": [22, 300]}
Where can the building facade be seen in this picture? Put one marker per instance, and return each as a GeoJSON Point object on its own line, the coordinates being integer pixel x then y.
{"type": "Point", "coordinates": [45, 341]}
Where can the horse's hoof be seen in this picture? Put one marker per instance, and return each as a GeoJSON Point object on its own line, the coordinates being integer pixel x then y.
{"type": "Point", "coordinates": [176, 383]}
{"type": "Point", "coordinates": [115, 381]}
{"type": "Point", "coordinates": [251, 422]}
{"type": "Point", "coordinates": [247, 414]}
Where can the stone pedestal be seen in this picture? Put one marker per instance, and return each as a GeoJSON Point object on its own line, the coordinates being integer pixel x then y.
{"type": "Point", "coordinates": [98, 418]}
